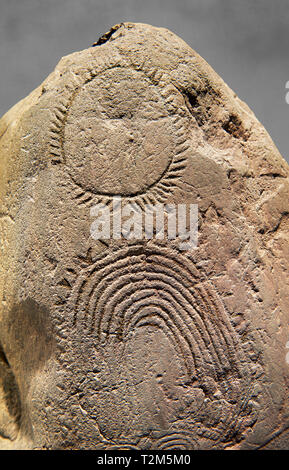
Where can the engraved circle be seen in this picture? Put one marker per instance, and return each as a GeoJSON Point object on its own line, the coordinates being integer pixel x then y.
{"type": "Point", "coordinates": [119, 134]}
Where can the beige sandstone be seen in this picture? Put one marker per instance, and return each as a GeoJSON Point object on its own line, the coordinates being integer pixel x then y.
{"type": "Point", "coordinates": [110, 344]}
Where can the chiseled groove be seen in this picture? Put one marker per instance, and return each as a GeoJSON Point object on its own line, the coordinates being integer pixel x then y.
{"type": "Point", "coordinates": [205, 297]}
{"type": "Point", "coordinates": [185, 303]}
{"type": "Point", "coordinates": [104, 281]}
{"type": "Point", "coordinates": [170, 256]}
{"type": "Point", "coordinates": [148, 252]}
{"type": "Point", "coordinates": [159, 198]}
{"type": "Point", "coordinates": [208, 335]}
{"type": "Point", "coordinates": [107, 261]}
{"type": "Point", "coordinates": [105, 276]}
{"type": "Point", "coordinates": [190, 300]}
{"type": "Point", "coordinates": [161, 192]}
{"type": "Point", "coordinates": [164, 325]}
{"type": "Point", "coordinates": [129, 281]}
{"type": "Point", "coordinates": [230, 336]}
{"type": "Point", "coordinates": [200, 329]}
{"type": "Point", "coordinates": [184, 332]}
{"type": "Point", "coordinates": [103, 261]}
{"type": "Point", "coordinates": [206, 294]}
{"type": "Point", "coordinates": [244, 371]}
{"type": "Point", "coordinates": [170, 441]}
{"type": "Point", "coordinates": [149, 199]}
{"type": "Point", "coordinates": [219, 329]}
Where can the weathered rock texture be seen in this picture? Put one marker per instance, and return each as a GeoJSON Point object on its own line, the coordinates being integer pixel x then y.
{"type": "Point", "coordinates": [119, 344]}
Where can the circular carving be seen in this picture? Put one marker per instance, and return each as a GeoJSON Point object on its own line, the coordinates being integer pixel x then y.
{"type": "Point", "coordinates": [118, 137]}
{"type": "Point", "coordinates": [121, 133]}
{"type": "Point", "coordinates": [177, 441]}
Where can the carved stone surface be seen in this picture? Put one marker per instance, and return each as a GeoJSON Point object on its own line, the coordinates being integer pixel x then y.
{"type": "Point", "coordinates": [136, 344]}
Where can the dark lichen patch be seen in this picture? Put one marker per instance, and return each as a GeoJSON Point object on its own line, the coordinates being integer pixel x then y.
{"type": "Point", "coordinates": [191, 101]}
{"type": "Point", "coordinates": [30, 325]}
{"type": "Point", "coordinates": [235, 128]}
{"type": "Point", "coordinates": [106, 37]}
{"type": "Point", "coordinates": [11, 396]}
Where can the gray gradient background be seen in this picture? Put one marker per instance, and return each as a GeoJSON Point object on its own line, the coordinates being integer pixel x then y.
{"type": "Point", "coordinates": [245, 41]}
